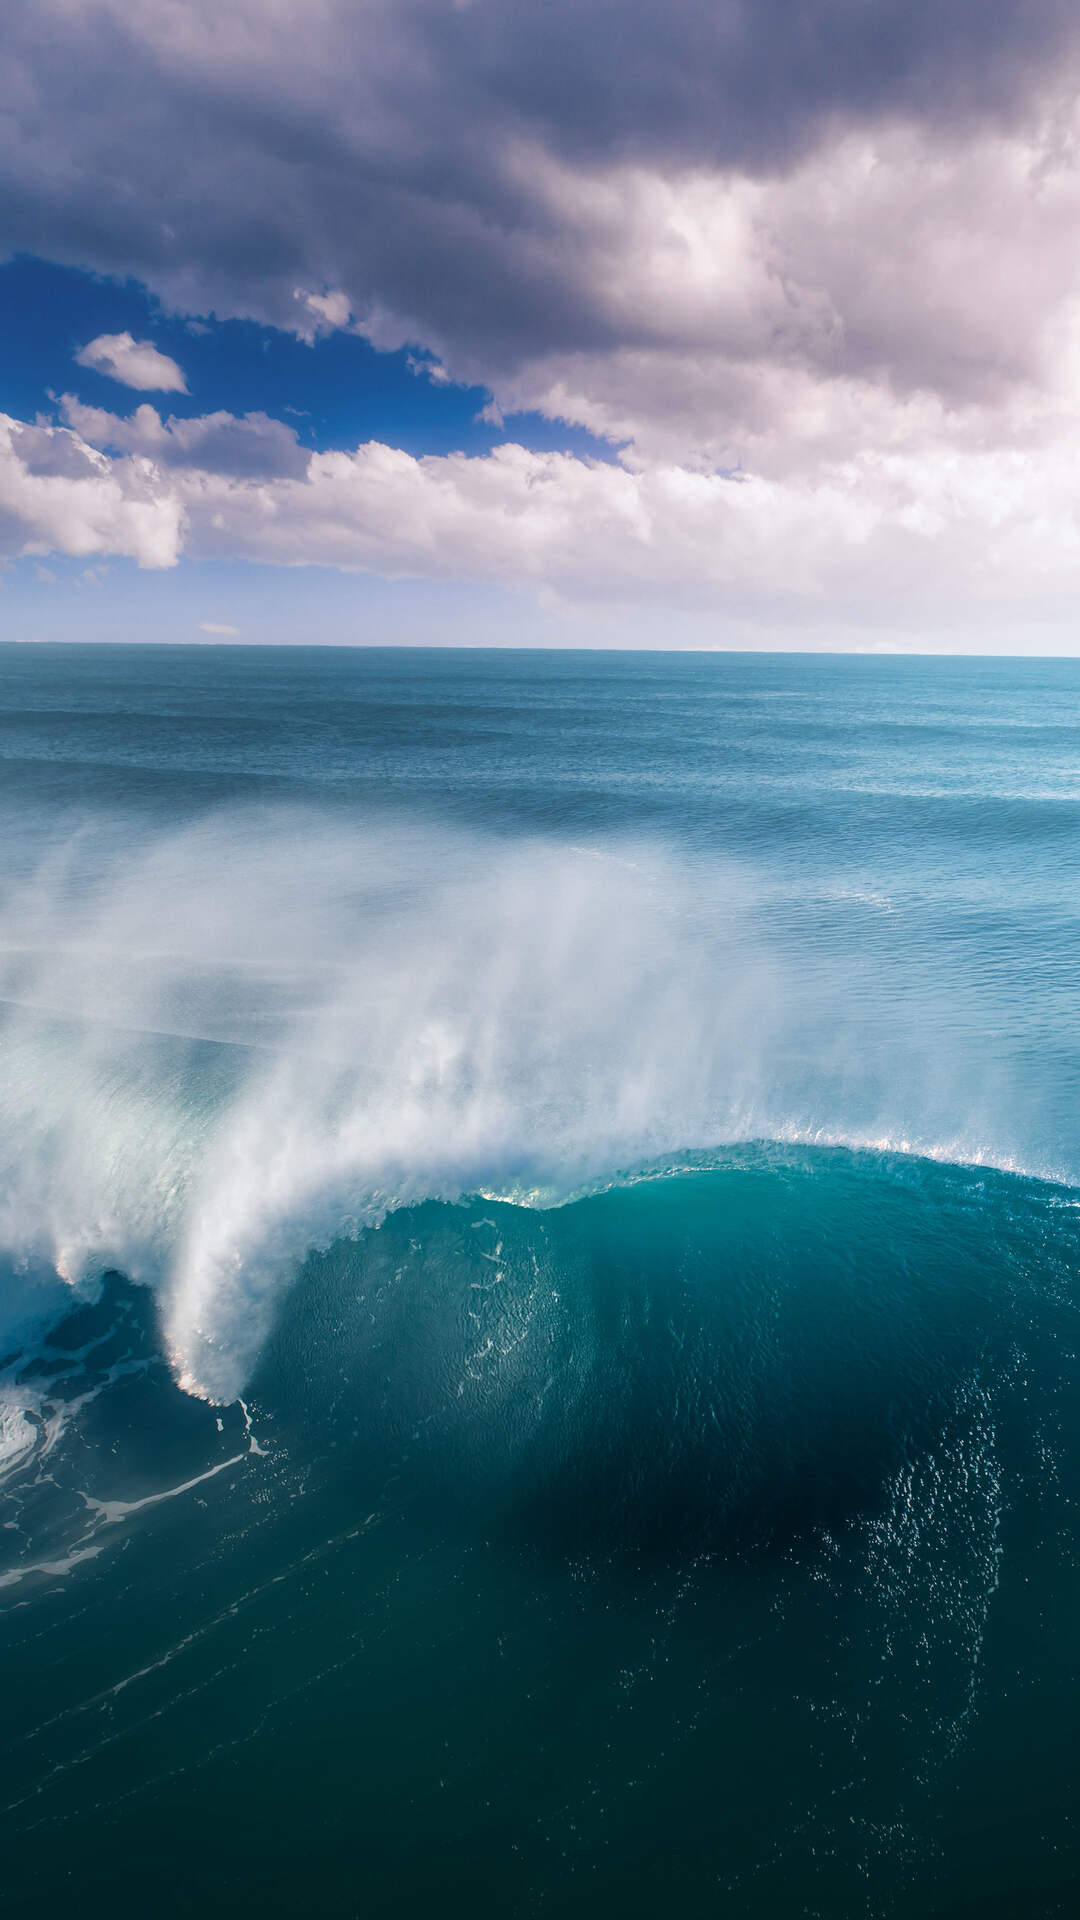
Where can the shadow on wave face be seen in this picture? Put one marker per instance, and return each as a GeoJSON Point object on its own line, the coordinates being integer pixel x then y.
{"type": "Point", "coordinates": [695, 1364]}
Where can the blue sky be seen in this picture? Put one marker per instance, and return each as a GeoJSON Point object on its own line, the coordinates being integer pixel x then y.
{"type": "Point", "coordinates": [337, 391]}
{"type": "Point", "coordinates": [640, 324]}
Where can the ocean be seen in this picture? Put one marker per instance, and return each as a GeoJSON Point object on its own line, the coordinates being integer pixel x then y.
{"type": "Point", "coordinates": [539, 1240]}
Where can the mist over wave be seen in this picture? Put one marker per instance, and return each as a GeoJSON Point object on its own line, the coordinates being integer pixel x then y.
{"type": "Point", "coordinates": [224, 1045]}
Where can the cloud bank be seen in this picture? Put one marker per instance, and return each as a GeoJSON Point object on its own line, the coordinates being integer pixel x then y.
{"type": "Point", "coordinates": [933, 538]}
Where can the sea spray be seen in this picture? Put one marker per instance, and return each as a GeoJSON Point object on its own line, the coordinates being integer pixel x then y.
{"type": "Point", "coordinates": [230, 1044]}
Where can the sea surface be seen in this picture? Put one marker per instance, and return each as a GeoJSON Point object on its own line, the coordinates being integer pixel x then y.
{"type": "Point", "coordinates": [539, 1245]}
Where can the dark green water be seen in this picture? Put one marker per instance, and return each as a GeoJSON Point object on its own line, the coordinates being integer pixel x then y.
{"type": "Point", "coordinates": [691, 1520]}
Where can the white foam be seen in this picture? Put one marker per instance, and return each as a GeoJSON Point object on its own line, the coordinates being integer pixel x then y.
{"type": "Point", "coordinates": [18, 1434]}
{"type": "Point", "coordinates": [111, 1512]}
{"type": "Point", "coordinates": [54, 1569]}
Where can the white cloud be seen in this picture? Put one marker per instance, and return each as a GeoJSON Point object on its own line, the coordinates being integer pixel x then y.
{"type": "Point", "coordinates": [134, 363]}
{"type": "Point", "coordinates": [947, 533]}
{"type": "Point", "coordinates": [217, 627]}
{"type": "Point", "coordinates": [942, 534]}
{"type": "Point", "coordinates": [248, 446]}
{"type": "Point", "coordinates": [321, 313]}
{"type": "Point", "coordinates": [890, 279]}
{"type": "Point", "coordinates": [58, 495]}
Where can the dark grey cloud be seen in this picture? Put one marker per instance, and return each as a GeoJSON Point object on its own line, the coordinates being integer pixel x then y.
{"type": "Point", "coordinates": [487, 177]}
{"type": "Point", "coordinates": [742, 82]}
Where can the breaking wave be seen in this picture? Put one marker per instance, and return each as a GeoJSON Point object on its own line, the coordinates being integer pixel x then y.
{"type": "Point", "coordinates": [225, 1046]}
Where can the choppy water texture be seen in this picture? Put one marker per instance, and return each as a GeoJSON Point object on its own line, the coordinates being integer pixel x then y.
{"type": "Point", "coordinates": [539, 1222]}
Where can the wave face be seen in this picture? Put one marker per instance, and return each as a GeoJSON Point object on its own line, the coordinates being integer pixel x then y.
{"type": "Point", "coordinates": [538, 1247]}
{"type": "Point", "coordinates": [686, 1531]}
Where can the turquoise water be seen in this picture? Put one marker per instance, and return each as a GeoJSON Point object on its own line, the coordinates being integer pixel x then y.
{"type": "Point", "coordinates": [540, 1217]}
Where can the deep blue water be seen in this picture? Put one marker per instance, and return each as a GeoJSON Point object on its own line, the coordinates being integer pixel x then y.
{"type": "Point", "coordinates": [540, 1213]}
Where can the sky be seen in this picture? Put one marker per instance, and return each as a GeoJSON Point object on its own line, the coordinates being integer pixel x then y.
{"type": "Point", "coordinates": [709, 323]}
